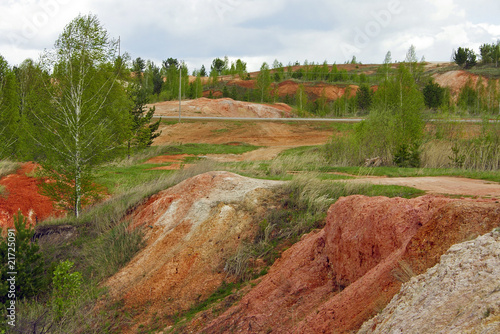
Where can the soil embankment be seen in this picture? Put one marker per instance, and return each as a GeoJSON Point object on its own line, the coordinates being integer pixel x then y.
{"type": "Point", "coordinates": [224, 107]}
{"type": "Point", "coordinates": [335, 279]}
{"type": "Point", "coordinates": [190, 229]}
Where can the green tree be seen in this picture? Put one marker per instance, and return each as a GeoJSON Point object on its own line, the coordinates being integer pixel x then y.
{"type": "Point", "coordinates": [203, 71]}
{"type": "Point", "coordinates": [465, 57]}
{"type": "Point", "coordinates": [29, 264]}
{"type": "Point", "coordinates": [301, 99]}
{"type": "Point", "coordinates": [394, 127]}
{"type": "Point", "coordinates": [87, 119]}
{"type": "Point", "coordinates": [138, 67]}
{"type": "Point", "coordinates": [219, 66]}
{"type": "Point", "coordinates": [143, 132]}
{"type": "Point", "coordinates": [153, 80]}
{"type": "Point", "coordinates": [33, 97]}
{"type": "Point", "coordinates": [364, 97]}
{"type": "Point", "coordinates": [9, 110]}
{"type": "Point", "coordinates": [433, 95]}
{"type": "Point", "coordinates": [468, 97]}
{"type": "Point", "coordinates": [279, 71]}
{"type": "Point", "coordinates": [241, 69]}
{"type": "Point", "coordinates": [264, 82]}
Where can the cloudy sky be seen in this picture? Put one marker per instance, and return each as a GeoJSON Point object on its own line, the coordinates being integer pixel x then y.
{"type": "Point", "coordinates": [197, 31]}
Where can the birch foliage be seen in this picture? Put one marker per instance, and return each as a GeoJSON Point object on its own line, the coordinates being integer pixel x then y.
{"type": "Point", "coordinates": [87, 118]}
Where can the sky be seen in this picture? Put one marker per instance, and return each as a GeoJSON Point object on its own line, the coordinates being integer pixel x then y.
{"type": "Point", "coordinates": [257, 31]}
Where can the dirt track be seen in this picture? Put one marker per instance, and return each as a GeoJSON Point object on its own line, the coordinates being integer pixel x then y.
{"type": "Point", "coordinates": [277, 137]}
{"type": "Point", "coordinates": [270, 134]}
{"type": "Point", "coordinates": [440, 185]}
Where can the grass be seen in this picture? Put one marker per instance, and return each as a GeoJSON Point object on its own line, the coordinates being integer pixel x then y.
{"type": "Point", "coordinates": [489, 71]}
{"type": "Point", "coordinates": [223, 291]}
{"type": "Point", "coordinates": [414, 172]}
{"type": "Point", "coordinates": [8, 167]}
{"type": "Point", "coordinates": [305, 202]}
{"type": "Point", "coordinates": [123, 174]}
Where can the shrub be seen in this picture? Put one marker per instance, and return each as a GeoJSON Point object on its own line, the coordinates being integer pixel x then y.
{"type": "Point", "coordinates": [66, 288]}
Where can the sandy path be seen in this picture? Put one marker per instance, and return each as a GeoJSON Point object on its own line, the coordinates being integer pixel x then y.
{"type": "Point", "coordinates": [440, 185]}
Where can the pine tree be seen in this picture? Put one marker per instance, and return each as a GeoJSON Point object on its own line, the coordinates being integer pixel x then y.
{"type": "Point", "coordinates": [29, 263]}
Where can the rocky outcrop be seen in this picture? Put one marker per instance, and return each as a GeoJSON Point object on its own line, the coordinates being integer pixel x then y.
{"type": "Point", "coordinates": [461, 294]}
{"type": "Point", "coordinates": [190, 230]}
{"type": "Point", "coordinates": [335, 279]}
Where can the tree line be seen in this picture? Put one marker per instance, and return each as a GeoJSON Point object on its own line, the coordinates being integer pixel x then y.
{"type": "Point", "coordinates": [467, 58]}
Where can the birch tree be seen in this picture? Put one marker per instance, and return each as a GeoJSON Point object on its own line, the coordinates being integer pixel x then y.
{"type": "Point", "coordinates": [88, 114]}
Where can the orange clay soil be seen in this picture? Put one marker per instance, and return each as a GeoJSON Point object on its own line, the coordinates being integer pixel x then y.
{"type": "Point", "coordinates": [336, 278]}
{"type": "Point", "coordinates": [21, 194]}
{"type": "Point", "coordinates": [190, 231]}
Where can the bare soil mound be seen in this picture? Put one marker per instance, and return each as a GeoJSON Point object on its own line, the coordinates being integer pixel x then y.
{"type": "Point", "coordinates": [224, 107]}
{"type": "Point", "coordinates": [330, 92]}
{"type": "Point", "coordinates": [22, 194]}
{"type": "Point", "coordinates": [335, 279]}
{"type": "Point", "coordinates": [456, 80]}
{"type": "Point", "coordinates": [458, 295]}
{"type": "Point", "coordinates": [191, 229]}
{"type": "Point", "coordinates": [256, 133]}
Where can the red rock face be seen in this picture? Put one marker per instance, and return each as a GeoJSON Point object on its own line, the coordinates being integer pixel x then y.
{"type": "Point", "coordinates": [335, 279]}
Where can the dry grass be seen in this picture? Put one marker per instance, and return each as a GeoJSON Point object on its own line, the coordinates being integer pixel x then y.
{"type": "Point", "coordinates": [8, 167]}
{"type": "Point", "coordinates": [403, 272]}
{"type": "Point", "coordinates": [436, 154]}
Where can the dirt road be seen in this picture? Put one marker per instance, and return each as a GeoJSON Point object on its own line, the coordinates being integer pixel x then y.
{"type": "Point", "coordinates": [276, 137]}
{"type": "Point", "coordinates": [440, 185]}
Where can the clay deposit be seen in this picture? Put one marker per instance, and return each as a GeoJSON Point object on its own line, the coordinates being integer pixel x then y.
{"type": "Point", "coordinates": [22, 194]}
{"type": "Point", "coordinates": [458, 295]}
{"type": "Point", "coordinates": [335, 279]}
{"type": "Point", "coordinates": [190, 229]}
{"type": "Point", "coordinates": [224, 107]}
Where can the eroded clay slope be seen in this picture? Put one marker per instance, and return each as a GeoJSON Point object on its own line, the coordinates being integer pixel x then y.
{"type": "Point", "coordinates": [335, 279]}
{"type": "Point", "coordinates": [191, 229]}
{"type": "Point", "coordinates": [461, 294]}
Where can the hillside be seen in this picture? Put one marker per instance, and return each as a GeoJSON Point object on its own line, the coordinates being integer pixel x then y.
{"type": "Point", "coordinates": [332, 279]}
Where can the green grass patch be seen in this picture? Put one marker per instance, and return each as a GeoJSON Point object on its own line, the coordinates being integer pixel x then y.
{"type": "Point", "coordinates": [489, 71]}
{"type": "Point", "coordinates": [222, 292]}
{"type": "Point", "coordinates": [414, 172]}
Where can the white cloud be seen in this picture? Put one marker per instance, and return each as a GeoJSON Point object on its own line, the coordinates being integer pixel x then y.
{"type": "Point", "coordinates": [258, 30]}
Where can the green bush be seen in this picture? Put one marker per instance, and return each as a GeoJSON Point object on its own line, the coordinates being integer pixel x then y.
{"type": "Point", "coordinates": [66, 288]}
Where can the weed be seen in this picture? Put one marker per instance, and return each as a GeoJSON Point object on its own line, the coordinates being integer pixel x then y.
{"type": "Point", "coordinates": [403, 272]}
